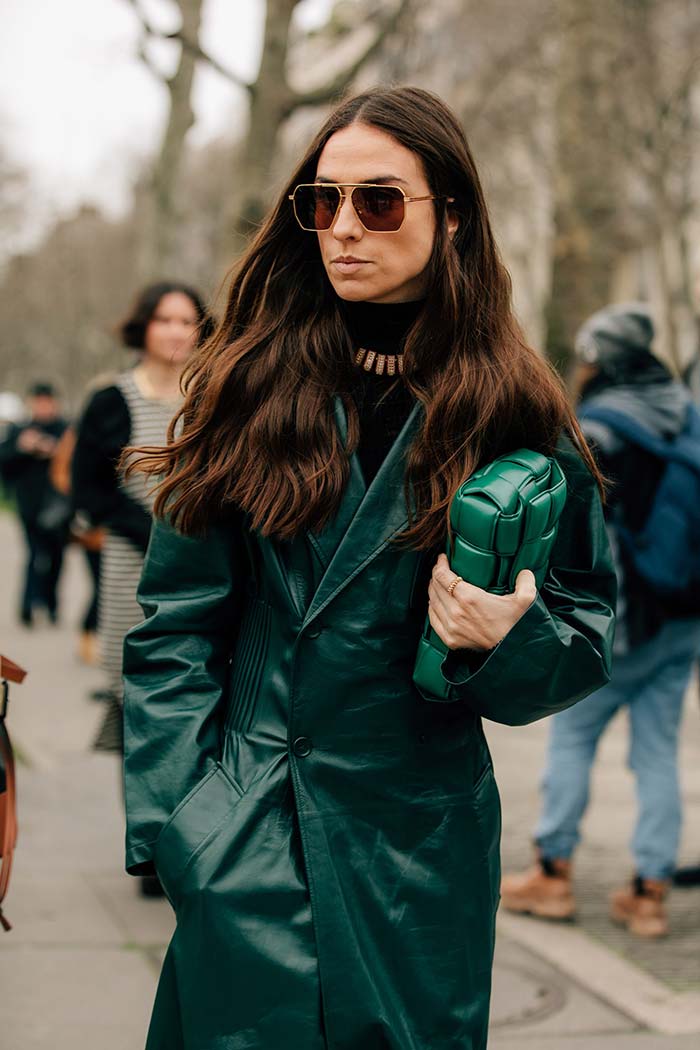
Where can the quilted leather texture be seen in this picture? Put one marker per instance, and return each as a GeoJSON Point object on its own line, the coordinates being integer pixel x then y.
{"type": "Point", "coordinates": [504, 519]}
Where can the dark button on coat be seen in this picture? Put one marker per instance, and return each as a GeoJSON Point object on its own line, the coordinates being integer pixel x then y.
{"type": "Point", "coordinates": [328, 837]}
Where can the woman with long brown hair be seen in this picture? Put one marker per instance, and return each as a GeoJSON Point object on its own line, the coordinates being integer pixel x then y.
{"type": "Point", "coordinates": [328, 836]}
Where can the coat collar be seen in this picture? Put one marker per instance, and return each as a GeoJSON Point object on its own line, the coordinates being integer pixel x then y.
{"type": "Point", "coordinates": [367, 518]}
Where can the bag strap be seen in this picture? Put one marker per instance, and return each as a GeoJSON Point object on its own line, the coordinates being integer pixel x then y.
{"type": "Point", "coordinates": [638, 434]}
{"type": "Point", "coordinates": [9, 672]}
{"type": "Point", "coordinates": [9, 830]}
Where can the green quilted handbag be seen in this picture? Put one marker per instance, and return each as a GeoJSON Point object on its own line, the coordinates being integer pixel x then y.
{"type": "Point", "coordinates": [504, 518]}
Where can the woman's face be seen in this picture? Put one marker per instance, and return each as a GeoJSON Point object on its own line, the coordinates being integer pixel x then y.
{"type": "Point", "coordinates": [376, 267]}
{"type": "Point", "coordinates": [171, 334]}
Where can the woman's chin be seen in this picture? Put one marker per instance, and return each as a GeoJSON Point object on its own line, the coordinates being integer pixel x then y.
{"type": "Point", "coordinates": [367, 291]}
{"type": "Point", "coordinates": [357, 291]}
{"type": "Point", "coordinates": [174, 358]}
{"type": "Point", "coordinates": [353, 293]}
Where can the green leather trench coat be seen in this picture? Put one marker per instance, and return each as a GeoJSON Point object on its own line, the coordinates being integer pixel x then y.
{"type": "Point", "coordinates": [328, 837]}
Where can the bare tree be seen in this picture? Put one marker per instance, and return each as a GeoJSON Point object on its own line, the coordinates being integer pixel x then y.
{"type": "Point", "coordinates": [589, 173]}
{"type": "Point", "coordinates": [273, 99]}
{"type": "Point", "coordinates": [656, 118]}
{"type": "Point", "coordinates": [14, 200]}
{"type": "Point", "coordinates": [59, 303]}
{"type": "Point", "coordinates": [161, 218]}
{"type": "Point", "coordinates": [627, 135]}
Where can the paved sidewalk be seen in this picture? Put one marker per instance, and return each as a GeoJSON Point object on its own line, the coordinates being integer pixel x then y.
{"type": "Point", "coordinates": [79, 969]}
{"type": "Point", "coordinates": [603, 860]}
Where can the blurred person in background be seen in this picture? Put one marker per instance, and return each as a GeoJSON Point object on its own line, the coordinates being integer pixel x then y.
{"type": "Point", "coordinates": [691, 372]}
{"type": "Point", "coordinates": [89, 539]}
{"type": "Point", "coordinates": [164, 326]}
{"type": "Point", "coordinates": [657, 636]}
{"type": "Point", "coordinates": [689, 876]}
{"type": "Point", "coordinates": [25, 457]}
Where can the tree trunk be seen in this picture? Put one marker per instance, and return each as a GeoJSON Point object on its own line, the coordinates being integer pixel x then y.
{"type": "Point", "coordinates": [588, 181]}
{"type": "Point", "coordinates": [269, 106]}
{"type": "Point", "coordinates": [273, 100]}
{"type": "Point", "coordinates": [160, 256]}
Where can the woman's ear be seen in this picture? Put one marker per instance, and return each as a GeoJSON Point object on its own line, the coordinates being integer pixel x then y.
{"type": "Point", "coordinates": [452, 222]}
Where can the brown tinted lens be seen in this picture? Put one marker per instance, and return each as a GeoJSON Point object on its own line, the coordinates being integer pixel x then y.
{"type": "Point", "coordinates": [379, 208]}
{"type": "Point", "coordinates": [316, 206]}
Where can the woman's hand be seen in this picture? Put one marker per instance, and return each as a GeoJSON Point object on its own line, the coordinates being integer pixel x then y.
{"type": "Point", "coordinates": [471, 618]}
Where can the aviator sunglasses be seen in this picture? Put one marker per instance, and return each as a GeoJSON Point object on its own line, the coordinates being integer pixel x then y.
{"type": "Point", "coordinates": [380, 209]}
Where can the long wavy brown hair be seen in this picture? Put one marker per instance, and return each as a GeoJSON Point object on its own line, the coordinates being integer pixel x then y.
{"type": "Point", "coordinates": [257, 429]}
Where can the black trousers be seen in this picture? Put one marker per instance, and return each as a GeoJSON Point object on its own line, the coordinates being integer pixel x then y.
{"type": "Point", "coordinates": [90, 617]}
{"type": "Point", "coordinates": [43, 568]}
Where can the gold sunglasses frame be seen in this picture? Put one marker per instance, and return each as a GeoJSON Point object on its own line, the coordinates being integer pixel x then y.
{"type": "Point", "coordinates": [352, 186]}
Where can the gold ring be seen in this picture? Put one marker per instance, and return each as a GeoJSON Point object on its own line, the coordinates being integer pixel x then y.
{"type": "Point", "coordinates": [451, 588]}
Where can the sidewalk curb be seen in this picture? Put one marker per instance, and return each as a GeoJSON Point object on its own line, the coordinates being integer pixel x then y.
{"type": "Point", "coordinates": [600, 970]}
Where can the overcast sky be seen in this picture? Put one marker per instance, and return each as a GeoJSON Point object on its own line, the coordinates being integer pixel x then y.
{"type": "Point", "coordinates": [79, 111]}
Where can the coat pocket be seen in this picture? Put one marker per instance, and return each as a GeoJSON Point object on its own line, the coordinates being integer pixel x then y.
{"type": "Point", "coordinates": [192, 826]}
{"type": "Point", "coordinates": [247, 665]}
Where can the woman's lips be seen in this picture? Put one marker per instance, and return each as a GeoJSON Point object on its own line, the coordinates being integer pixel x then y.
{"type": "Point", "coordinates": [348, 266]}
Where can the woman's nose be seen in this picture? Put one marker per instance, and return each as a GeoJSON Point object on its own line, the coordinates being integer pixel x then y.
{"type": "Point", "coordinates": [346, 224]}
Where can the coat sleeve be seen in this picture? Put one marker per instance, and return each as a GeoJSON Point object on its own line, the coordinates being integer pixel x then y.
{"type": "Point", "coordinates": [560, 650]}
{"type": "Point", "coordinates": [176, 665]}
{"type": "Point", "coordinates": [103, 431]}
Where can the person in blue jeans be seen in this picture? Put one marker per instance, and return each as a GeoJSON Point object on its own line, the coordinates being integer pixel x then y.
{"type": "Point", "coordinates": [657, 641]}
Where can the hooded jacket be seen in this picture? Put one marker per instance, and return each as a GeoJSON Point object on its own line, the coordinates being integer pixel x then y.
{"type": "Point", "coordinates": [660, 404]}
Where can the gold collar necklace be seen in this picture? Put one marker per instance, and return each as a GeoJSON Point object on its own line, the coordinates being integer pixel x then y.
{"type": "Point", "coordinates": [371, 361]}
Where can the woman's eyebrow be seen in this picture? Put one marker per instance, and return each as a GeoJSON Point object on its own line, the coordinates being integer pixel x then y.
{"type": "Point", "coordinates": [380, 180]}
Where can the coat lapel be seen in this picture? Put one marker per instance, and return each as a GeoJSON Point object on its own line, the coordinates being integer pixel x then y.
{"type": "Point", "coordinates": [366, 521]}
{"type": "Point", "coordinates": [326, 543]}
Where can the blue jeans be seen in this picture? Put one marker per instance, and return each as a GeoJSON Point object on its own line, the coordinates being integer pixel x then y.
{"type": "Point", "coordinates": [651, 680]}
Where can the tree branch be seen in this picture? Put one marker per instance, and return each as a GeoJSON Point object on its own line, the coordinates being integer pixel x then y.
{"type": "Point", "coordinates": [333, 87]}
{"type": "Point", "coordinates": [191, 46]}
{"type": "Point", "coordinates": [194, 48]}
{"type": "Point", "coordinates": [501, 66]}
{"type": "Point", "coordinates": [144, 57]}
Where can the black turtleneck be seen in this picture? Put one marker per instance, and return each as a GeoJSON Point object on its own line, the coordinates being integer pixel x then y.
{"type": "Point", "coordinates": [383, 402]}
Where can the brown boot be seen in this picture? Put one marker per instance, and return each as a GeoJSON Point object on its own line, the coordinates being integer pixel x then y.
{"type": "Point", "coordinates": [640, 907]}
{"type": "Point", "coordinates": [544, 890]}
